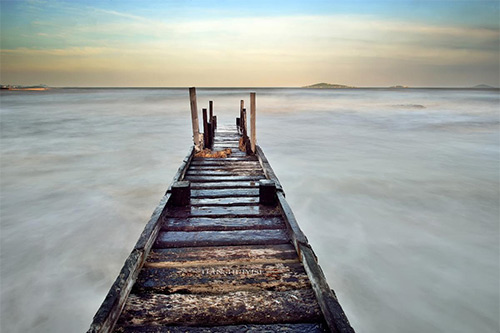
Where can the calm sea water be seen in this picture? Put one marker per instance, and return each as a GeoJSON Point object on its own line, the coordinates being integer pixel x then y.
{"type": "Point", "coordinates": [397, 191]}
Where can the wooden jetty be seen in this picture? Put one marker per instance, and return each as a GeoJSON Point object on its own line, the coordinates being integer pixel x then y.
{"type": "Point", "coordinates": [222, 252]}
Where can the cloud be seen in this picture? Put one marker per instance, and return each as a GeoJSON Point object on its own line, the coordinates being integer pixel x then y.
{"type": "Point", "coordinates": [283, 45]}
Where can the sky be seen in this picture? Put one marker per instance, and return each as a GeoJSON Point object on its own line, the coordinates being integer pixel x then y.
{"type": "Point", "coordinates": [249, 43]}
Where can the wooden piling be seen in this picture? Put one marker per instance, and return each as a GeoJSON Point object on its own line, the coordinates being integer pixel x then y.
{"type": "Point", "coordinates": [194, 118]}
{"type": "Point", "coordinates": [253, 135]}
{"type": "Point", "coordinates": [210, 110]}
{"type": "Point", "coordinates": [242, 105]}
{"type": "Point", "coordinates": [205, 130]}
{"type": "Point", "coordinates": [244, 122]}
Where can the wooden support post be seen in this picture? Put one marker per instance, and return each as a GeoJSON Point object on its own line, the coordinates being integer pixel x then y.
{"type": "Point", "coordinates": [242, 105]}
{"type": "Point", "coordinates": [194, 119]}
{"type": "Point", "coordinates": [205, 130]}
{"type": "Point", "coordinates": [214, 121]}
{"type": "Point", "coordinates": [244, 122]}
{"type": "Point", "coordinates": [210, 136]}
{"type": "Point", "coordinates": [210, 110]}
{"type": "Point", "coordinates": [253, 135]}
{"type": "Point", "coordinates": [267, 192]}
{"type": "Point", "coordinates": [238, 123]}
{"type": "Point", "coordinates": [181, 193]}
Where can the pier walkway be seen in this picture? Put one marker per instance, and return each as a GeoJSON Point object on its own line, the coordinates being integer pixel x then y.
{"type": "Point", "coordinates": [222, 253]}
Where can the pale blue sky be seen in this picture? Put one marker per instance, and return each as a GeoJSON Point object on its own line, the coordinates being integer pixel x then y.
{"type": "Point", "coordinates": [250, 43]}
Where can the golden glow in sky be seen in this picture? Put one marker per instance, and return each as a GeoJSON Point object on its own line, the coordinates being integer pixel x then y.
{"type": "Point", "coordinates": [197, 43]}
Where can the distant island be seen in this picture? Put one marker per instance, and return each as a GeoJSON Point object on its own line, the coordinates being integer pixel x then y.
{"type": "Point", "coordinates": [39, 87]}
{"type": "Point", "coordinates": [483, 86]}
{"type": "Point", "coordinates": [328, 86]}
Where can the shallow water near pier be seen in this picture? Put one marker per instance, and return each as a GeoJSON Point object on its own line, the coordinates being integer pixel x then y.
{"type": "Point", "coordinates": [396, 190]}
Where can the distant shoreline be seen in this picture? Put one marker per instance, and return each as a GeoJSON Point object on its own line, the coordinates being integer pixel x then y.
{"type": "Point", "coordinates": [339, 87]}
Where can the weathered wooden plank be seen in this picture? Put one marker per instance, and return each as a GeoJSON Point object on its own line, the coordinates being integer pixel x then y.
{"type": "Point", "coordinates": [228, 159]}
{"type": "Point", "coordinates": [270, 328]}
{"type": "Point", "coordinates": [224, 193]}
{"type": "Point", "coordinates": [225, 173]}
{"type": "Point", "coordinates": [296, 233]}
{"type": "Point", "coordinates": [330, 307]}
{"type": "Point", "coordinates": [207, 256]}
{"type": "Point", "coordinates": [222, 278]}
{"type": "Point", "coordinates": [240, 307]}
{"type": "Point", "coordinates": [214, 224]}
{"type": "Point", "coordinates": [228, 168]}
{"type": "Point", "coordinates": [221, 238]}
{"type": "Point", "coordinates": [226, 185]}
{"type": "Point", "coordinates": [223, 211]}
{"type": "Point", "coordinates": [266, 166]}
{"type": "Point", "coordinates": [234, 201]}
{"type": "Point", "coordinates": [223, 162]}
{"type": "Point", "coordinates": [226, 138]}
{"type": "Point", "coordinates": [222, 178]}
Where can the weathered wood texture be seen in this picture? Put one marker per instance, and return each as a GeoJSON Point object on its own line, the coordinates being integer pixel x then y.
{"type": "Point", "coordinates": [222, 278]}
{"type": "Point", "coordinates": [219, 224]}
{"type": "Point", "coordinates": [253, 121]}
{"type": "Point", "coordinates": [220, 238]}
{"type": "Point", "coordinates": [112, 306]}
{"type": "Point", "coordinates": [194, 118]}
{"type": "Point", "coordinates": [225, 260]}
{"type": "Point", "coordinates": [208, 256]}
{"type": "Point", "coordinates": [272, 328]}
{"type": "Point", "coordinates": [240, 307]}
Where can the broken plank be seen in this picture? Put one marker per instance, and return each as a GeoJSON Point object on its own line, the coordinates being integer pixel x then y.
{"type": "Point", "coordinates": [222, 278]}
{"type": "Point", "coordinates": [240, 307]}
{"type": "Point", "coordinates": [207, 256]}
{"type": "Point", "coordinates": [214, 224]}
{"type": "Point", "coordinates": [222, 211]}
{"type": "Point", "coordinates": [221, 238]}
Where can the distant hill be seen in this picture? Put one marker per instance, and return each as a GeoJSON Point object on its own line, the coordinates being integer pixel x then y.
{"type": "Point", "coordinates": [483, 86]}
{"type": "Point", "coordinates": [328, 86]}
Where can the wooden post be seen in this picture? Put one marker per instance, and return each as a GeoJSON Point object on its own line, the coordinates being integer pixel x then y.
{"type": "Point", "coordinates": [242, 105]}
{"type": "Point", "coordinates": [215, 124]}
{"type": "Point", "coordinates": [244, 122]}
{"type": "Point", "coordinates": [267, 192]}
{"type": "Point", "coordinates": [181, 193]}
{"type": "Point", "coordinates": [194, 119]}
{"type": "Point", "coordinates": [211, 122]}
{"type": "Point", "coordinates": [253, 137]}
{"type": "Point", "coordinates": [206, 141]}
{"type": "Point", "coordinates": [210, 110]}
{"type": "Point", "coordinates": [210, 136]}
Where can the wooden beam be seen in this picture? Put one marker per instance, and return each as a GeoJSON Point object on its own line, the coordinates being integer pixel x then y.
{"type": "Point", "coordinates": [253, 137]}
{"type": "Point", "coordinates": [194, 118]}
